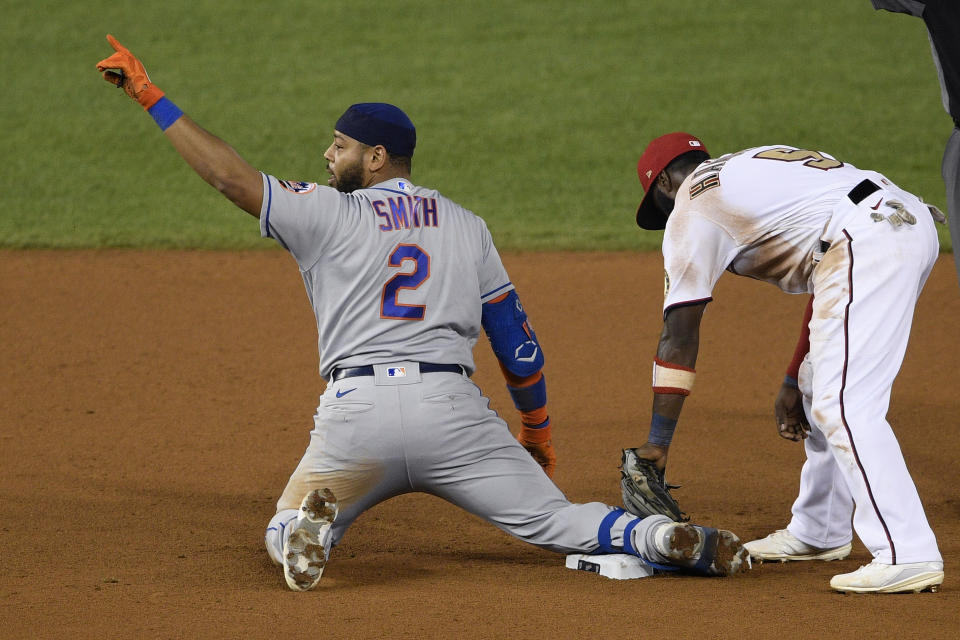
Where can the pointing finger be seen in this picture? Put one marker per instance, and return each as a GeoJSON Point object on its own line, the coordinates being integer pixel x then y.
{"type": "Point", "coordinates": [115, 43]}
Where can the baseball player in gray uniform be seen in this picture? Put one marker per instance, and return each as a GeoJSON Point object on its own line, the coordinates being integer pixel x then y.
{"type": "Point", "coordinates": [401, 280]}
{"type": "Point", "coordinates": [808, 223]}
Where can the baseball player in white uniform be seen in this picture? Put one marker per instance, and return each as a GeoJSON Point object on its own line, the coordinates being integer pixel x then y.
{"type": "Point", "coordinates": [401, 280]}
{"type": "Point", "coordinates": [808, 223]}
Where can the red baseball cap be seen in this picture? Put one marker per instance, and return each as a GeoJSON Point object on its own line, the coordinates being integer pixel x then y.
{"type": "Point", "coordinates": [658, 154]}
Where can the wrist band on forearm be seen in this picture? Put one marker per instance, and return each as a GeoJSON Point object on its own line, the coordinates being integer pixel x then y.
{"type": "Point", "coordinates": [529, 397]}
{"type": "Point", "coordinates": [165, 113]}
{"type": "Point", "coordinates": [536, 418]}
{"type": "Point", "coordinates": [672, 378]}
{"type": "Point", "coordinates": [538, 434]}
{"type": "Point", "coordinates": [791, 382]}
{"type": "Point", "coordinates": [661, 430]}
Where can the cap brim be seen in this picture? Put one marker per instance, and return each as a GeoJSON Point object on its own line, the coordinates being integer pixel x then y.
{"type": "Point", "coordinates": [649, 217]}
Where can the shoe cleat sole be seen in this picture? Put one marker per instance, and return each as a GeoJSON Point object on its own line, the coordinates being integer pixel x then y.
{"type": "Point", "coordinates": [305, 553]}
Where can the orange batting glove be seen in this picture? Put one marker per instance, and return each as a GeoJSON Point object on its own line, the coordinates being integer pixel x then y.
{"type": "Point", "coordinates": [132, 77]}
{"type": "Point", "coordinates": [538, 443]}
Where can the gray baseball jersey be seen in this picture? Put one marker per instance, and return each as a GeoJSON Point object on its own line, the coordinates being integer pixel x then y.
{"type": "Point", "coordinates": [393, 272]}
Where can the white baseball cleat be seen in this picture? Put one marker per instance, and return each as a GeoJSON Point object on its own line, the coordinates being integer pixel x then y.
{"type": "Point", "coordinates": [877, 577]}
{"type": "Point", "coordinates": [701, 550]}
{"type": "Point", "coordinates": [307, 548]}
{"type": "Point", "coordinates": [784, 546]}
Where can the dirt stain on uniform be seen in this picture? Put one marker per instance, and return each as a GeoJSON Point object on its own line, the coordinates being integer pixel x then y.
{"type": "Point", "coordinates": [348, 485]}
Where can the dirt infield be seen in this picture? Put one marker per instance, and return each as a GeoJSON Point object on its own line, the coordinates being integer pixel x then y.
{"type": "Point", "coordinates": [154, 404]}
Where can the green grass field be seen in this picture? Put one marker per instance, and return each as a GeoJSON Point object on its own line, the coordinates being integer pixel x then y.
{"type": "Point", "coordinates": [532, 114]}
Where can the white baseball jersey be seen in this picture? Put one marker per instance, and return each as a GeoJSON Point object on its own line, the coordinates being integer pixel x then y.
{"type": "Point", "coordinates": [393, 272]}
{"type": "Point", "coordinates": [793, 218]}
{"type": "Point", "coordinates": [759, 213]}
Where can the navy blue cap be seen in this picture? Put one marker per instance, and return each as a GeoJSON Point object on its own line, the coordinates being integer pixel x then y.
{"type": "Point", "coordinates": [374, 123]}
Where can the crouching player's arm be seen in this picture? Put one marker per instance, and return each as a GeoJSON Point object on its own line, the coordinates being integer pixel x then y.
{"type": "Point", "coordinates": [792, 423]}
{"type": "Point", "coordinates": [521, 360]}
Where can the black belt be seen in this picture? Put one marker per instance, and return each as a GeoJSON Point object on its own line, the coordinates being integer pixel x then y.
{"type": "Point", "coordinates": [856, 195]}
{"type": "Point", "coordinates": [425, 367]}
{"type": "Point", "coordinates": [862, 190]}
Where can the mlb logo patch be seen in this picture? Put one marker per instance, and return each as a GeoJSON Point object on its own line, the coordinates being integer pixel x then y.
{"type": "Point", "coordinates": [397, 372]}
{"type": "Point", "coordinates": [404, 186]}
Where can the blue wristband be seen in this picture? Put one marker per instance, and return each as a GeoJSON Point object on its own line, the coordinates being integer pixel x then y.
{"type": "Point", "coordinates": [165, 113]}
{"type": "Point", "coordinates": [542, 425]}
{"type": "Point", "coordinates": [529, 398]}
{"type": "Point", "coordinates": [661, 430]}
{"type": "Point", "coordinates": [790, 381]}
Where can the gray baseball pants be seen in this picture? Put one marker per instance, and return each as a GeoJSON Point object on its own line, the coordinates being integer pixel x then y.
{"type": "Point", "coordinates": [376, 437]}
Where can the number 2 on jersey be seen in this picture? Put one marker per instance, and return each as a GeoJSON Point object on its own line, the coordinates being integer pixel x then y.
{"type": "Point", "coordinates": [390, 306]}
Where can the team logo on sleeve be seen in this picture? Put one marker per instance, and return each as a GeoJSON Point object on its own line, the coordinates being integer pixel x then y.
{"type": "Point", "coordinates": [666, 283]}
{"type": "Point", "coordinates": [298, 187]}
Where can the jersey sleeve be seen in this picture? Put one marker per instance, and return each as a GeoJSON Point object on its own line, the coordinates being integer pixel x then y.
{"type": "Point", "coordinates": [301, 216]}
{"type": "Point", "coordinates": [695, 253]}
{"type": "Point", "coordinates": [493, 278]}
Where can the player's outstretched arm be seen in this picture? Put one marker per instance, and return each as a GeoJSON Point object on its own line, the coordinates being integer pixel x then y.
{"type": "Point", "coordinates": [642, 470]}
{"type": "Point", "coordinates": [213, 159]}
{"type": "Point", "coordinates": [216, 162]}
